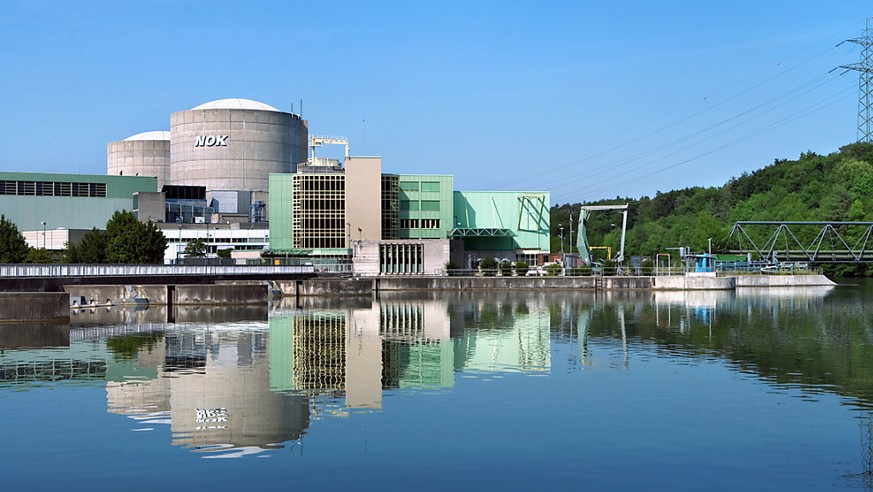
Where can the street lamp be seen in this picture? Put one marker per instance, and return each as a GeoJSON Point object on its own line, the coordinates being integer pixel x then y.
{"type": "Point", "coordinates": [43, 235]}
{"type": "Point", "coordinates": [179, 244]}
{"type": "Point", "coordinates": [563, 267]}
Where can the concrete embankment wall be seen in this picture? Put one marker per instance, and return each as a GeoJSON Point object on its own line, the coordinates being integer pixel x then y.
{"type": "Point", "coordinates": [159, 295]}
{"type": "Point", "coordinates": [484, 283]}
{"type": "Point", "coordinates": [47, 307]}
{"type": "Point", "coordinates": [693, 283]}
{"type": "Point", "coordinates": [220, 294]}
{"type": "Point", "coordinates": [783, 281]}
{"type": "Point", "coordinates": [628, 283]}
{"type": "Point", "coordinates": [116, 294]}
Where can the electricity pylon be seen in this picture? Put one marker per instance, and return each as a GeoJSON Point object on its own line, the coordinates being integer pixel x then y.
{"type": "Point", "coordinates": [865, 81]}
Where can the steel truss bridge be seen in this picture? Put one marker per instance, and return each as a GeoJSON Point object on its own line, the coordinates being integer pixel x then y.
{"type": "Point", "coordinates": [818, 242]}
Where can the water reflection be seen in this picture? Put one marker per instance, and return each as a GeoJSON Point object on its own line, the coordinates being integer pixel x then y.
{"type": "Point", "coordinates": [232, 382]}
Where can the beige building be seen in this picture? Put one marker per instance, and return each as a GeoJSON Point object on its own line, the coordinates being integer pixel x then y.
{"type": "Point", "coordinates": [325, 206]}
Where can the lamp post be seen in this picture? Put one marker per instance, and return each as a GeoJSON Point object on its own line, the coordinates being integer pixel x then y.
{"type": "Point", "coordinates": [43, 235]}
{"type": "Point", "coordinates": [561, 226]}
{"type": "Point", "coordinates": [179, 244]}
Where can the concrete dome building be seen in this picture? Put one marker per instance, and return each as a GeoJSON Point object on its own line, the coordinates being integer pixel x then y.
{"type": "Point", "coordinates": [234, 144]}
{"type": "Point", "coordinates": [143, 154]}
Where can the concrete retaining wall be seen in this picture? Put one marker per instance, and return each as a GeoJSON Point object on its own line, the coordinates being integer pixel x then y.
{"type": "Point", "coordinates": [693, 283]}
{"type": "Point", "coordinates": [220, 294]}
{"type": "Point", "coordinates": [485, 283]}
{"type": "Point", "coordinates": [335, 287]}
{"type": "Point", "coordinates": [628, 283]}
{"type": "Point", "coordinates": [52, 307]}
{"type": "Point", "coordinates": [782, 280]}
{"type": "Point", "coordinates": [116, 294]}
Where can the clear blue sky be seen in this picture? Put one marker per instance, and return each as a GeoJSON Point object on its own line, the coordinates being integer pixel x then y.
{"type": "Point", "coordinates": [585, 99]}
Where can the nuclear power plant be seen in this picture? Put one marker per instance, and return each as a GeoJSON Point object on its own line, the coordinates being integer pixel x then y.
{"type": "Point", "coordinates": [223, 145]}
{"type": "Point", "coordinates": [143, 154]}
{"type": "Point", "coordinates": [234, 144]}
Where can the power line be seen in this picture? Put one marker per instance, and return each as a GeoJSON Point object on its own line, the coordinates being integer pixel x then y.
{"type": "Point", "coordinates": [795, 93]}
{"type": "Point", "coordinates": [689, 117]}
{"type": "Point", "coordinates": [772, 126]}
{"type": "Point", "coordinates": [865, 80]}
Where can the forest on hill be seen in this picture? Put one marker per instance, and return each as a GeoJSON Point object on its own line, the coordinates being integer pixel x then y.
{"type": "Point", "coordinates": [834, 187]}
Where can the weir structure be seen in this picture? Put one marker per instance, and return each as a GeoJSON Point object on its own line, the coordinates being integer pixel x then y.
{"type": "Point", "coordinates": [817, 242]}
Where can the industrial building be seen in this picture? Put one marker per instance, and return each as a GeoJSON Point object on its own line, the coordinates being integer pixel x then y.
{"type": "Point", "coordinates": [399, 224]}
{"type": "Point", "coordinates": [242, 175]}
{"type": "Point", "coordinates": [229, 147]}
{"type": "Point", "coordinates": [51, 209]}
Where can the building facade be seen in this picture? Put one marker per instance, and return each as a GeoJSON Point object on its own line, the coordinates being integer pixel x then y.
{"type": "Point", "coordinates": [45, 201]}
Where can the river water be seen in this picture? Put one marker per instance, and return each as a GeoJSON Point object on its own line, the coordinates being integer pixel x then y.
{"type": "Point", "coordinates": [747, 390]}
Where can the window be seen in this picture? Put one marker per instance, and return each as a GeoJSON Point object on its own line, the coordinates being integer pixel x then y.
{"type": "Point", "coordinates": [430, 206]}
{"type": "Point", "coordinates": [430, 223]}
{"type": "Point", "coordinates": [407, 205]}
{"type": "Point", "coordinates": [409, 185]}
{"type": "Point", "coordinates": [433, 186]}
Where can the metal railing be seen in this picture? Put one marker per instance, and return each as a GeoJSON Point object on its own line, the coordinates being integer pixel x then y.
{"type": "Point", "coordinates": [82, 270]}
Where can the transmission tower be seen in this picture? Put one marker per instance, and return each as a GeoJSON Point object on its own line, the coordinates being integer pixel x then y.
{"type": "Point", "coordinates": [865, 81]}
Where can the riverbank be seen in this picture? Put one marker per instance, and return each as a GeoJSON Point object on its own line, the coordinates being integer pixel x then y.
{"type": "Point", "coordinates": [55, 307]}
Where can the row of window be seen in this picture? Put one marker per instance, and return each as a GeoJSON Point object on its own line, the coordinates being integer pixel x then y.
{"type": "Point", "coordinates": [52, 188]}
{"type": "Point", "coordinates": [424, 186]}
{"type": "Point", "coordinates": [419, 223]}
{"type": "Point", "coordinates": [424, 206]}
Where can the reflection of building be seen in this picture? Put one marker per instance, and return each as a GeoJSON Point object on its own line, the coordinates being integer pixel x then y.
{"type": "Point", "coordinates": [505, 338]}
{"type": "Point", "coordinates": [359, 352]}
{"type": "Point", "coordinates": [215, 387]}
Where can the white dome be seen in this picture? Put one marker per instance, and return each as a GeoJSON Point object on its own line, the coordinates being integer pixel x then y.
{"type": "Point", "coordinates": [236, 103]}
{"type": "Point", "coordinates": [156, 135]}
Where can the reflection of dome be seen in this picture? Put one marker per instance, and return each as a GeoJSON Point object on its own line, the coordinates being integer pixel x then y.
{"type": "Point", "coordinates": [236, 103]}
{"type": "Point", "coordinates": [156, 135]}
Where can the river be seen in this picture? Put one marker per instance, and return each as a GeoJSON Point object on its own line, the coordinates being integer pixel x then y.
{"type": "Point", "coordinates": [747, 390]}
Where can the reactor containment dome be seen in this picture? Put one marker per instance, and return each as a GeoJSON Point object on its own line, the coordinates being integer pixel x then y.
{"type": "Point", "coordinates": [143, 154]}
{"type": "Point", "coordinates": [234, 144]}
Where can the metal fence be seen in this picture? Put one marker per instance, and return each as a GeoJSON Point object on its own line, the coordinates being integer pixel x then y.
{"type": "Point", "coordinates": [80, 270]}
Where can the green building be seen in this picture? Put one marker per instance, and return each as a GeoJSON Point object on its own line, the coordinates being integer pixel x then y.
{"type": "Point", "coordinates": [400, 223]}
{"type": "Point", "coordinates": [507, 224]}
{"type": "Point", "coordinates": [425, 206]}
{"type": "Point", "coordinates": [73, 201]}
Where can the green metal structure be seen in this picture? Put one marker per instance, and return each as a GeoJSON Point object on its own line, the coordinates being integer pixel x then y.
{"type": "Point", "coordinates": [501, 220]}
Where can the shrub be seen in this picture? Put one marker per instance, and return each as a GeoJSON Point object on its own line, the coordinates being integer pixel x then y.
{"type": "Point", "coordinates": [488, 266]}
{"type": "Point", "coordinates": [506, 268]}
{"type": "Point", "coordinates": [521, 268]}
{"type": "Point", "coordinates": [553, 270]}
{"type": "Point", "coordinates": [451, 268]}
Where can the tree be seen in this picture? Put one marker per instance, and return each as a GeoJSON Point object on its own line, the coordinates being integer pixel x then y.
{"type": "Point", "coordinates": [195, 248]}
{"type": "Point", "coordinates": [38, 255]}
{"type": "Point", "coordinates": [133, 242]}
{"type": "Point", "coordinates": [91, 249]}
{"type": "Point", "coordinates": [13, 247]}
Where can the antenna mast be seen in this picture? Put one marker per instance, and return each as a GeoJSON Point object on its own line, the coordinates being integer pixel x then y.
{"type": "Point", "coordinates": [865, 81]}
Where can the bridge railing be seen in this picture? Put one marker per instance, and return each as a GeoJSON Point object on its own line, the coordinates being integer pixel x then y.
{"type": "Point", "coordinates": [83, 270]}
